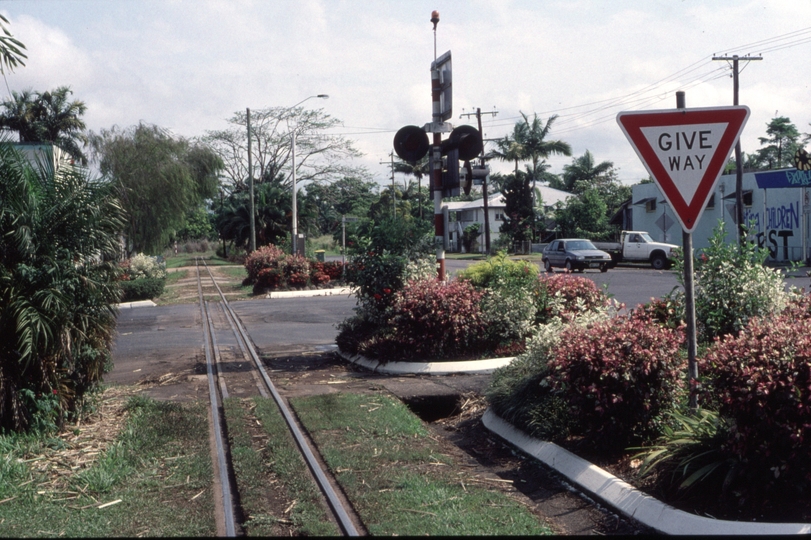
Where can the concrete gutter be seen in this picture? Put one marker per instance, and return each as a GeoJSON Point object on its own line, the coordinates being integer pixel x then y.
{"type": "Point", "coordinates": [625, 498]}
{"type": "Point", "coordinates": [427, 368]}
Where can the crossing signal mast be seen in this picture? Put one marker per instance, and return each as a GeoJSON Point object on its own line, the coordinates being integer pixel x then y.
{"type": "Point", "coordinates": [411, 144]}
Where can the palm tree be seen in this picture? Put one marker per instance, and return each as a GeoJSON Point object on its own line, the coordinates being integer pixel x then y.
{"type": "Point", "coordinates": [511, 147]}
{"type": "Point", "coordinates": [417, 169]}
{"type": "Point", "coordinates": [58, 285]}
{"type": "Point", "coordinates": [583, 169]}
{"type": "Point", "coordinates": [18, 115]}
{"type": "Point", "coordinates": [47, 118]}
{"type": "Point", "coordinates": [537, 148]}
{"type": "Point", "coordinates": [59, 121]}
{"type": "Point", "coordinates": [528, 142]}
{"type": "Point", "coordinates": [11, 49]}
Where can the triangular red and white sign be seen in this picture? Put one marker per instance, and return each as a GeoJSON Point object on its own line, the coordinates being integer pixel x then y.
{"type": "Point", "coordinates": [685, 151]}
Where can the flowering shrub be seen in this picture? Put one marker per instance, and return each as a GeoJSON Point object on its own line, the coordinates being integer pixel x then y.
{"type": "Point", "coordinates": [317, 274]}
{"type": "Point", "coordinates": [618, 377]}
{"type": "Point", "coordinates": [507, 305]}
{"type": "Point", "coordinates": [762, 381]}
{"type": "Point", "coordinates": [521, 393]}
{"type": "Point", "coordinates": [271, 268]}
{"type": "Point", "coordinates": [145, 266]}
{"type": "Point", "coordinates": [567, 297]}
{"type": "Point", "coordinates": [732, 285]}
{"type": "Point", "coordinates": [296, 269]}
{"type": "Point", "coordinates": [333, 269]}
{"type": "Point", "coordinates": [143, 278]}
{"type": "Point", "coordinates": [435, 319]}
{"type": "Point", "coordinates": [271, 278]}
{"type": "Point", "coordinates": [667, 311]}
{"type": "Point", "coordinates": [269, 256]}
{"type": "Point", "coordinates": [420, 268]}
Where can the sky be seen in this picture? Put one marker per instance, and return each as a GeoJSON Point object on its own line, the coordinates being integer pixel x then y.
{"type": "Point", "coordinates": [189, 65]}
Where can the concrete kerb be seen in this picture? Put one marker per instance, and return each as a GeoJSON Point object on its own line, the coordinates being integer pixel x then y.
{"type": "Point", "coordinates": [625, 498]}
{"type": "Point", "coordinates": [315, 292]}
{"type": "Point", "coordinates": [140, 303]}
{"type": "Point", "coordinates": [427, 368]}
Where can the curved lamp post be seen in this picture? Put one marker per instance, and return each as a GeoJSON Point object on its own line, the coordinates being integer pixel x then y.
{"type": "Point", "coordinates": [293, 175]}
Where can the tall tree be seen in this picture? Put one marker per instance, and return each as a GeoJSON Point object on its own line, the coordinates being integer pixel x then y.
{"type": "Point", "coordinates": [47, 117]}
{"type": "Point", "coordinates": [58, 270]}
{"type": "Point", "coordinates": [158, 177]}
{"type": "Point", "coordinates": [319, 156]}
{"type": "Point", "coordinates": [780, 145]}
{"type": "Point", "coordinates": [584, 217]}
{"type": "Point", "coordinates": [537, 148]}
{"type": "Point", "coordinates": [350, 195]}
{"type": "Point", "coordinates": [519, 213]}
{"type": "Point", "coordinates": [584, 173]}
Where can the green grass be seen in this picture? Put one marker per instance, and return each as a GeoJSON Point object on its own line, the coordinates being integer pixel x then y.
{"type": "Point", "coordinates": [187, 259]}
{"type": "Point", "coordinates": [158, 467]}
{"type": "Point", "coordinates": [394, 473]}
{"type": "Point", "coordinates": [278, 458]}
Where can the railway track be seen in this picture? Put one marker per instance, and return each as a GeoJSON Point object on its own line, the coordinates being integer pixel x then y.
{"type": "Point", "coordinates": [226, 347]}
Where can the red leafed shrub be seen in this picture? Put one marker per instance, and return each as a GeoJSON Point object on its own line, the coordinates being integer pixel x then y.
{"type": "Point", "coordinates": [618, 377]}
{"type": "Point", "coordinates": [762, 380]}
{"type": "Point", "coordinates": [667, 311]}
{"type": "Point", "coordinates": [559, 294]}
{"type": "Point", "coordinates": [268, 256]}
{"type": "Point", "coordinates": [432, 318]}
{"type": "Point", "coordinates": [270, 278]}
{"type": "Point", "coordinates": [317, 274]}
{"type": "Point", "coordinates": [296, 270]}
{"type": "Point", "coordinates": [334, 269]}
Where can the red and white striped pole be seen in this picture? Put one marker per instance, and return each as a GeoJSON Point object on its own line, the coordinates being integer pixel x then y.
{"type": "Point", "coordinates": [436, 173]}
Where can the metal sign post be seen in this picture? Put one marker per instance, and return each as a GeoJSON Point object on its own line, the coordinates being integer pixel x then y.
{"type": "Point", "coordinates": [685, 152]}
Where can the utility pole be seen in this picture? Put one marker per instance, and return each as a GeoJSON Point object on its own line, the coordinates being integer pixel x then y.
{"type": "Point", "coordinates": [738, 165]}
{"type": "Point", "coordinates": [393, 195]}
{"type": "Point", "coordinates": [250, 182]}
{"type": "Point", "coordinates": [478, 115]}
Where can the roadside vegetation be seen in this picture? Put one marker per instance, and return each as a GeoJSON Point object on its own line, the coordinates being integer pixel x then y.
{"type": "Point", "coordinates": [402, 483]}
{"type": "Point", "coordinates": [614, 385]}
{"type": "Point", "coordinates": [100, 479]}
{"type": "Point", "coordinates": [490, 309]}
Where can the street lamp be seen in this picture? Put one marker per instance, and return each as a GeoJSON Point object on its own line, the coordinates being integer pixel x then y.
{"type": "Point", "coordinates": [293, 176]}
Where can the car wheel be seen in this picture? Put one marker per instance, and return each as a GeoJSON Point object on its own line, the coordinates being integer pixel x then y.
{"type": "Point", "coordinates": [568, 265]}
{"type": "Point", "coordinates": [658, 262]}
{"type": "Point", "coordinates": [604, 268]}
{"type": "Point", "coordinates": [547, 266]}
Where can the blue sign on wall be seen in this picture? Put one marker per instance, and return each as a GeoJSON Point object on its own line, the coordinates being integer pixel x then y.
{"type": "Point", "coordinates": [785, 178]}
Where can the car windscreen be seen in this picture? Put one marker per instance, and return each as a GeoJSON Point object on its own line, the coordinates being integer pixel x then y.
{"type": "Point", "coordinates": [579, 245]}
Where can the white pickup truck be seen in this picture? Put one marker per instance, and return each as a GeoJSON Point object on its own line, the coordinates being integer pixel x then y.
{"type": "Point", "coordinates": [638, 246]}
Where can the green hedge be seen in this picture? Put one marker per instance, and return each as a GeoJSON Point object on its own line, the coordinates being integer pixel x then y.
{"type": "Point", "coordinates": [142, 289]}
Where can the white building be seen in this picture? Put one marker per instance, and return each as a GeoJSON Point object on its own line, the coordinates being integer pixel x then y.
{"type": "Point", "coordinates": [775, 202]}
{"type": "Point", "coordinates": [469, 212]}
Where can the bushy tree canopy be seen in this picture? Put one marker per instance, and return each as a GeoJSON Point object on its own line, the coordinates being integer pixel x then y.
{"type": "Point", "coordinates": [158, 178]}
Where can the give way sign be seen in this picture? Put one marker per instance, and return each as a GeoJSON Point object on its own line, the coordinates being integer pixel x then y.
{"type": "Point", "coordinates": [685, 151]}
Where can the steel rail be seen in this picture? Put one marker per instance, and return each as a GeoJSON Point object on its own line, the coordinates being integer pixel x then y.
{"type": "Point", "coordinates": [222, 464]}
{"type": "Point", "coordinates": [344, 521]}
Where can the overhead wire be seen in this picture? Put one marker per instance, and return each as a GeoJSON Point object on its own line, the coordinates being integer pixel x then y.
{"type": "Point", "coordinates": [576, 117]}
